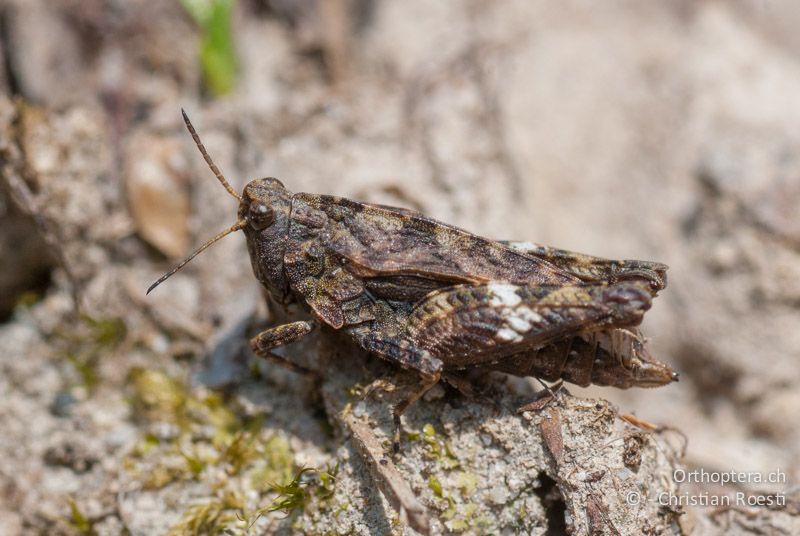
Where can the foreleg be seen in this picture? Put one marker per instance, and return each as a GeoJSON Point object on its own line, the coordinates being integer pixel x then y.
{"type": "Point", "coordinates": [263, 343]}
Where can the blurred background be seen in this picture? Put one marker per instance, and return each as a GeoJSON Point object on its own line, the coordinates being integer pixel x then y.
{"type": "Point", "coordinates": [666, 131]}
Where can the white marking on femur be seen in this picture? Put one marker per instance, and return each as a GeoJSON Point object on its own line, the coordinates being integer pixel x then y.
{"type": "Point", "coordinates": [528, 315]}
{"type": "Point", "coordinates": [521, 319]}
{"type": "Point", "coordinates": [503, 295]}
{"type": "Point", "coordinates": [518, 319]}
{"type": "Point", "coordinates": [518, 324]}
{"type": "Point", "coordinates": [508, 335]}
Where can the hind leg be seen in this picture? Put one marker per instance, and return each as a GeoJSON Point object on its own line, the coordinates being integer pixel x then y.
{"type": "Point", "coordinates": [597, 269]}
{"type": "Point", "coordinates": [477, 325]}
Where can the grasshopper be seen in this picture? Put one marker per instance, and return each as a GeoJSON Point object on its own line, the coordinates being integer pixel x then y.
{"type": "Point", "coordinates": [439, 300]}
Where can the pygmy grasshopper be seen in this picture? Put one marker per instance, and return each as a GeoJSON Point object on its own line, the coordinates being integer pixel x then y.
{"type": "Point", "coordinates": [439, 300]}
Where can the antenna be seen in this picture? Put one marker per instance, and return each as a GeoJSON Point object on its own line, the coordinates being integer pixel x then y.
{"type": "Point", "coordinates": [217, 173]}
{"type": "Point", "coordinates": [239, 225]}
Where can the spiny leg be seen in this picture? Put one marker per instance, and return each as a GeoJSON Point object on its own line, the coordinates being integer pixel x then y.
{"type": "Point", "coordinates": [401, 352]}
{"type": "Point", "coordinates": [461, 382]}
{"type": "Point", "coordinates": [263, 344]}
{"type": "Point", "coordinates": [389, 384]}
{"type": "Point", "coordinates": [544, 398]}
{"type": "Point", "coordinates": [546, 363]}
{"type": "Point", "coordinates": [616, 357]}
{"type": "Point", "coordinates": [427, 381]}
{"type": "Point", "coordinates": [429, 369]}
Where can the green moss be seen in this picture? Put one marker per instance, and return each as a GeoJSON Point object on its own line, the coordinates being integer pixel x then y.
{"type": "Point", "coordinates": [78, 520]}
{"type": "Point", "coordinates": [450, 513]}
{"type": "Point", "coordinates": [240, 451]}
{"type": "Point", "coordinates": [482, 523]}
{"type": "Point", "coordinates": [465, 517]}
{"type": "Point", "coordinates": [106, 331]}
{"type": "Point", "coordinates": [211, 432]}
{"type": "Point", "coordinates": [161, 475]}
{"type": "Point", "coordinates": [211, 518]}
{"type": "Point", "coordinates": [276, 463]}
{"type": "Point", "coordinates": [291, 496]}
{"type": "Point", "coordinates": [85, 343]}
{"type": "Point", "coordinates": [435, 486]}
{"type": "Point", "coordinates": [343, 507]}
{"type": "Point", "coordinates": [307, 485]}
{"type": "Point", "coordinates": [458, 525]}
{"type": "Point", "coordinates": [458, 517]}
{"type": "Point", "coordinates": [327, 482]}
{"type": "Point", "coordinates": [466, 482]}
{"type": "Point", "coordinates": [229, 453]}
{"type": "Point", "coordinates": [146, 445]}
{"type": "Point", "coordinates": [296, 494]}
{"type": "Point", "coordinates": [86, 369]}
{"type": "Point", "coordinates": [438, 448]}
{"type": "Point", "coordinates": [158, 397]}
{"type": "Point", "coordinates": [194, 463]}
{"type": "Point", "coordinates": [446, 503]}
{"type": "Point", "coordinates": [225, 417]}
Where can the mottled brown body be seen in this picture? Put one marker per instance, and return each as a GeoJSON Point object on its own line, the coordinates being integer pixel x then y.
{"type": "Point", "coordinates": [437, 299]}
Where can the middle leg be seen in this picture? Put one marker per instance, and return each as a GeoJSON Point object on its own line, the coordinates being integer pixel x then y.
{"type": "Point", "coordinates": [386, 343]}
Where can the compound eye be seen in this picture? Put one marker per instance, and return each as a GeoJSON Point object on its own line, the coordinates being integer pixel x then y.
{"type": "Point", "coordinates": [261, 215]}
